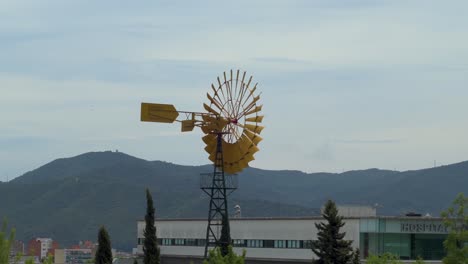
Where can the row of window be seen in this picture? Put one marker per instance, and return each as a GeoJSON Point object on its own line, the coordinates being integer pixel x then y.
{"type": "Point", "coordinates": [244, 243]}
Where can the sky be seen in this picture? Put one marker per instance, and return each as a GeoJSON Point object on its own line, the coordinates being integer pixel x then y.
{"type": "Point", "coordinates": [345, 85]}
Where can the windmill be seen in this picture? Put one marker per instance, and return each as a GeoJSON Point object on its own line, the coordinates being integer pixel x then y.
{"type": "Point", "coordinates": [231, 128]}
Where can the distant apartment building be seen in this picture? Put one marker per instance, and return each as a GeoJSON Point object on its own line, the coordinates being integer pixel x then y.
{"type": "Point", "coordinates": [81, 253]}
{"type": "Point", "coordinates": [41, 247]}
{"type": "Point", "coordinates": [73, 256]}
{"type": "Point", "coordinates": [17, 248]}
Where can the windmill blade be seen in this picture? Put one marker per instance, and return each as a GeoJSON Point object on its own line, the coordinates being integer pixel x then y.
{"type": "Point", "coordinates": [257, 119]}
{"type": "Point", "coordinates": [232, 168]}
{"type": "Point", "coordinates": [250, 106]}
{"type": "Point", "coordinates": [249, 157]}
{"type": "Point", "coordinates": [231, 152]}
{"type": "Point", "coordinates": [255, 110]}
{"type": "Point", "coordinates": [209, 139]}
{"type": "Point", "coordinates": [244, 143]}
{"type": "Point", "coordinates": [210, 148]}
{"type": "Point", "coordinates": [251, 92]}
{"type": "Point", "coordinates": [254, 128]}
{"type": "Point", "coordinates": [214, 102]}
{"type": "Point", "coordinates": [212, 156]}
{"type": "Point", "coordinates": [209, 109]}
{"type": "Point", "coordinates": [253, 149]}
{"type": "Point", "coordinates": [254, 138]}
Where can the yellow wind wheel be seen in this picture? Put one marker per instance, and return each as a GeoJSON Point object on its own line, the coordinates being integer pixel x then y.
{"type": "Point", "coordinates": [235, 112]}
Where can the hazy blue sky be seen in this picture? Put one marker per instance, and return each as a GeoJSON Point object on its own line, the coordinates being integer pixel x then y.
{"type": "Point", "coordinates": [345, 84]}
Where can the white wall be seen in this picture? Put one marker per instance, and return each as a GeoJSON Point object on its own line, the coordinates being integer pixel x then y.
{"type": "Point", "coordinates": [262, 229]}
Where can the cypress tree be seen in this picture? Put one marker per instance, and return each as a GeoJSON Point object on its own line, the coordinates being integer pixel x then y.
{"type": "Point", "coordinates": [331, 248]}
{"type": "Point", "coordinates": [225, 238]}
{"type": "Point", "coordinates": [150, 243]}
{"type": "Point", "coordinates": [104, 250]}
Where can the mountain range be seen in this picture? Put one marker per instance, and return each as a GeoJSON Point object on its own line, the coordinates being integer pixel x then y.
{"type": "Point", "coordinates": [68, 199]}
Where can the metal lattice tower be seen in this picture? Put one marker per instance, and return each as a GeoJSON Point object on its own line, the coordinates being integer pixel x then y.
{"type": "Point", "coordinates": [218, 216]}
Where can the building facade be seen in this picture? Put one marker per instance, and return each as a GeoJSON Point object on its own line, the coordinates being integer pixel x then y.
{"type": "Point", "coordinates": [73, 256]}
{"type": "Point", "coordinates": [41, 247]}
{"type": "Point", "coordinates": [287, 240]}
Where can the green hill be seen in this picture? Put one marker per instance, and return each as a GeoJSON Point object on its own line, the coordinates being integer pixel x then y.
{"type": "Point", "coordinates": [68, 199]}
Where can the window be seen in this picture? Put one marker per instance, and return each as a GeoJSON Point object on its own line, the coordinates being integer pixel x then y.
{"type": "Point", "coordinates": [190, 242]}
{"type": "Point", "coordinates": [166, 241]}
{"type": "Point", "coordinates": [280, 243]}
{"type": "Point", "coordinates": [293, 243]}
{"type": "Point", "coordinates": [179, 242]}
{"type": "Point", "coordinates": [239, 243]}
{"type": "Point", "coordinates": [254, 243]}
{"type": "Point", "coordinates": [141, 241]}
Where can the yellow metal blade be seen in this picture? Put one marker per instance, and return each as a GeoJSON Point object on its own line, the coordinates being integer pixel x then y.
{"type": "Point", "coordinates": [243, 164]}
{"type": "Point", "coordinates": [249, 157]}
{"type": "Point", "coordinates": [208, 119]}
{"type": "Point", "coordinates": [256, 109]}
{"type": "Point", "coordinates": [231, 152]}
{"type": "Point", "coordinates": [209, 139]}
{"type": "Point", "coordinates": [214, 123]}
{"type": "Point", "coordinates": [255, 139]}
{"type": "Point", "coordinates": [244, 143]}
{"type": "Point", "coordinates": [209, 109]}
{"type": "Point", "coordinates": [210, 148]}
{"type": "Point", "coordinates": [257, 119]}
{"type": "Point", "coordinates": [253, 149]}
{"type": "Point", "coordinates": [254, 128]}
{"type": "Point", "coordinates": [252, 104]}
{"type": "Point", "coordinates": [212, 157]}
{"type": "Point", "coordinates": [232, 168]}
{"type": "Point", "coordinates": [162, 113]}
{"type": "Point", "coordinates": [206, 129]}
{"type": "Point", "coordinates": [214, 101]}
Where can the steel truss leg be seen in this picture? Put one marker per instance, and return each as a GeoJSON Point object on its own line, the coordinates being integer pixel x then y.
{"type": "Point", "coordinates": [218, 218]}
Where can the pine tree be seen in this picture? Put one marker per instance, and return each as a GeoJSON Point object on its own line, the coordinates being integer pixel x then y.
{"type": "Point", "coordinates": [356, 257]}
{"type": "Point", "coordinates": [331, 248]}
{"type": "Point", "coordinates": [150, 244]}
{"type": "Point", "coordinates": [104, 250]}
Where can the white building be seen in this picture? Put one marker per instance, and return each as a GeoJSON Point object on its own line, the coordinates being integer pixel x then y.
{"type": "Point", "coordinates": [287, 240]}
{"type": "Point", "coordinates": [46, 245]}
